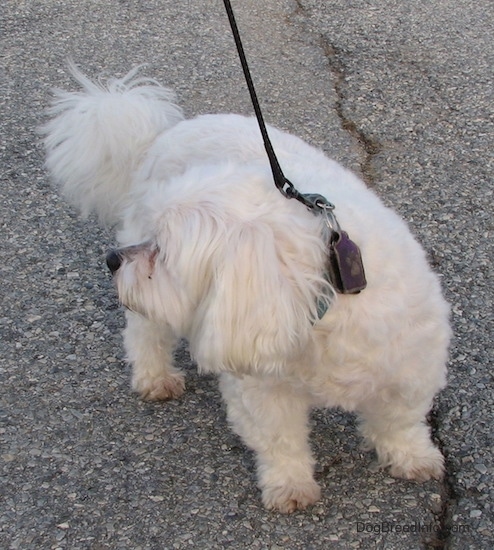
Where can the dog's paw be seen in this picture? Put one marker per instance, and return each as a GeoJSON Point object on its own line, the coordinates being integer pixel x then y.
{"type": "Point", "coordinates": [290, 497]}
{"type": "Point", "coordinates": [430, 465]}
{"type": "Point", "coordinates": [160, 388]}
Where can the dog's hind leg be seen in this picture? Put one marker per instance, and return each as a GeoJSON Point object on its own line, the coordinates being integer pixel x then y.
{"type": "Point", "coordinates": [401, 438]}
{"type": "Point", "coordinates": [272, 419]}
{"type": "Point", "coordinates": [150, 349]}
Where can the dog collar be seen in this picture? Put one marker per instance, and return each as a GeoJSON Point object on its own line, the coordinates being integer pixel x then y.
{"type": "Point", "coordinates": [344, 266]}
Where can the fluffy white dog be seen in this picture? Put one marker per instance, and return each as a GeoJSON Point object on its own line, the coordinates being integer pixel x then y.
{"type": "Point", "coordinates": [212, 252]}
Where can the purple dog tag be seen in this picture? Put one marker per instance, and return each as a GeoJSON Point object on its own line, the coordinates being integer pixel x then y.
{"type": "Point", "coordinates": [346, 270]}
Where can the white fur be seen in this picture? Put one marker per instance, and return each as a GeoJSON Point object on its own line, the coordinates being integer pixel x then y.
{"type": "Point", "coordinates": [215, 254]}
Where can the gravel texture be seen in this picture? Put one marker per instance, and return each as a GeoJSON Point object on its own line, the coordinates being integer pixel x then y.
{"type": "Point", "coordinates": [401, 92]}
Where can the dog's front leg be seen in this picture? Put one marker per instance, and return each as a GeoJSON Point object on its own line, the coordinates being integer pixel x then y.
{"type": "Point", "coordinates": [272, 419]}
{"type": "Point", "coordinates": [149, 348]}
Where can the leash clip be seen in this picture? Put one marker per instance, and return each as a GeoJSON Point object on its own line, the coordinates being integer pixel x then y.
{"type": "Point", "coordinates": [330, 219]}
{"type": "Point", "coordinates": [286, 188]}
{"type": "Point", "coordinates": [320, 205]}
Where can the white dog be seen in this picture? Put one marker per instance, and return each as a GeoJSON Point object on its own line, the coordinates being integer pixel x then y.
{"type": "Point", "coordinates": [212, 252]}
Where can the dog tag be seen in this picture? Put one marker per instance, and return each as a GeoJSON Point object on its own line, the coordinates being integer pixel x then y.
{"type": "Point", "coordinates": [346, 269]}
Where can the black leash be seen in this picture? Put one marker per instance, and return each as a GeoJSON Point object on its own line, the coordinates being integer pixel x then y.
{"type": "Point", "coordinates": [345, 269]}
{"type": "Point", "coordinates": [286, 187]}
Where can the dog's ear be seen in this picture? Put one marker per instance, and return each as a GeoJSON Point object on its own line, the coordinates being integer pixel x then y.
{"type": "Point", "coordinates": [259, 309]}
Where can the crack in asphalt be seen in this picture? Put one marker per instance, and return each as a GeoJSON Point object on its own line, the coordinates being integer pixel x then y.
{"type": "Point", "coordinates": [370, 145]}
{"type": "Point", "coordinates": [449, 493]}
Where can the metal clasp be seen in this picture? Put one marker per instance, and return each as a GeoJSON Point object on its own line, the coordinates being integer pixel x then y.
{"type": "Point", "coordinates": [320, 205]}
{"type": "Point", "coordinates": [330, 219]}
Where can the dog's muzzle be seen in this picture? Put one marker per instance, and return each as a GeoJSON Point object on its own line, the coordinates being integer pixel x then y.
{"type": "Point", "coordinates": [113, 261]}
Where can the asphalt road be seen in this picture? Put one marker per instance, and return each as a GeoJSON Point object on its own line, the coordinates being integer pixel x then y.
{"type": "Point", "coordinates": [401, 92]}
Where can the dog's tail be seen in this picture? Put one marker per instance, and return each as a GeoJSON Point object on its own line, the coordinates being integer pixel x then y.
{"type": "Point", "coordinates": [97, 137]}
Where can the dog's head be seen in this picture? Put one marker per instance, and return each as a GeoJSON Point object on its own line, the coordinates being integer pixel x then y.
{"type": "Point", "coordinates": [242, 289]}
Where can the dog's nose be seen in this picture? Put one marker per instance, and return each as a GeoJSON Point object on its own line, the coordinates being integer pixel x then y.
{"type": "Point", "coordinates": [113, 260]}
